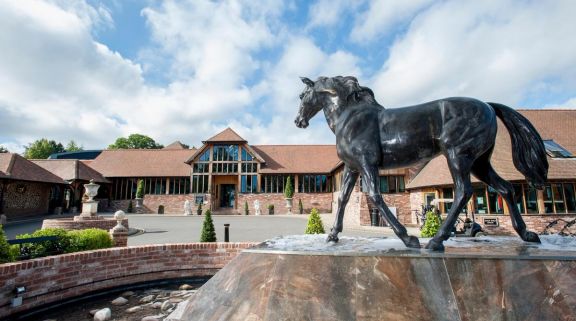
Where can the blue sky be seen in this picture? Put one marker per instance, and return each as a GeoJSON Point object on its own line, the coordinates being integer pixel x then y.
{"type": "Point", "coordinates": [92, 70]}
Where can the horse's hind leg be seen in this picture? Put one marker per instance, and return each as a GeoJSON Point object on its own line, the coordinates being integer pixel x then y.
{"type": "Point", "coordinates": [460, 170]}
{"type": "Point", "coordinates": [484, 172]}
{"type": "Point", "coordinates": [370, 175]}
{"type": "Point", "coordinates": [348, 181]}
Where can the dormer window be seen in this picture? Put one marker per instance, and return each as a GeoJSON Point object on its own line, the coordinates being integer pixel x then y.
{"type": "Point", "coordinates": [553, 149]}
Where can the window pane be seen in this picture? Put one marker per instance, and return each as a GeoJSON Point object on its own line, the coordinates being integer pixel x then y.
{"type": "Point", "coordinates": [519, 198]}
{"type": "Point", "coordinates": [570, 199]}
{"type": "Point", "coordinates": [480, 200]}
{"type": "Point", "coordinates": [558, 195]}
{"type": "Point", "coordinates": [384, 184]}
{"type": "Point", "coordinates": [496, 203]}
{"type": "Point", "coordinates": [531, 201]}
{"type": "Point", "coordinates": [401, 187]}
{"type": "Point", "coordinates": [392, 184]}
{"type": "Point", "coordinates": [548, 206]}
{"type": "Point", "coordinates": [447, 193]}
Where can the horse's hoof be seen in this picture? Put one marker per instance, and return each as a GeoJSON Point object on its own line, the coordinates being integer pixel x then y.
{"type": "Point", "coordinates": [435, 245]}
{"type": "Point", "coordinates": [332, 238]}
{"type": "Point", "coordinates": [529, 236]}
{"type": "Point", "coordinates": [411, 241]}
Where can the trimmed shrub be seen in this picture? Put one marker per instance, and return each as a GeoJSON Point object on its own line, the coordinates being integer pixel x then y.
{"type": "Point", "coordinates": [270, 209]}
{"type": "Point", "coordinates": [315, 225]}
{"type": "Point", "coordinates": [300, 206]}
{"type": "Point", "coordinates": [431, 226]}
{"type": "Point", "coordinates": [6, 253]}
{"type": "Point", "coordinates": [89, 239]}
{"type": "Point", "coordinates": [246, 209]}
{"type": "Point", "coordinates": [208, 232]}
{"type": "Point", "coordinates": [140, 189]}
{"type": "Point", "coordinates": [45, 248]}
{"type": "Point", "coordinates": [288, 189]}
{"type": "Point", "coordinates": [130, 208]}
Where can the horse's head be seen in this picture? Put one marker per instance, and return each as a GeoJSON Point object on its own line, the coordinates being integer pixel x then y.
{"type": "Point", "coordinates": [314, 97]}
{"type": "Point", "coordinates": [335, 92]}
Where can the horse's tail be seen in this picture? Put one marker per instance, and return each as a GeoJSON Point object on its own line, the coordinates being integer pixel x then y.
{"type": "Point", "coordinates": [528, 151]}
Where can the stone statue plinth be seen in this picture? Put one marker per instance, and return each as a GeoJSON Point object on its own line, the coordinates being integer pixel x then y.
{"type": "Point", "coordinates": [89, 206]}
{"type": "Point", "coordinates": [305, 278]}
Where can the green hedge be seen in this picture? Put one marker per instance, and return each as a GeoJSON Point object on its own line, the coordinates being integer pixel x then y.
{"type": "Point", "coordinates": [67, 242]}
{"type": "Point", "coordinates": [89, 239]}
{"type": "Point", "coordinates": [6, 252]}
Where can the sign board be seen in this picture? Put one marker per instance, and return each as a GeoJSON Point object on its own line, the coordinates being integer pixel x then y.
{"type": "Point", "coordinates": [199, 199]}
{"type": "Point", "coordinates": [491, 221]}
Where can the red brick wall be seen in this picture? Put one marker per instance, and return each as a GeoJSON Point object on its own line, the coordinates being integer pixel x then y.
{"type": "Point", "coordinates": [401, 201]}
{"type": "Point", "coordinates": [70, 224]}
{"type": "Point", "coordinates": [24, 199]}
{"type": "Point", "coordinates": [320, 201]}
{"type": "Point", "coordinates": [536, 223]}
{"type": "Point", "coordinates": [56, 278]}
{"type": "Point", "coordinates": [173, 204]}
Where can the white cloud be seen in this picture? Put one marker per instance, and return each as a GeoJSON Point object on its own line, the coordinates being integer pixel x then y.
{"type": "Point", "coordinates": [497, 51]}
{"type": "Point", "coordinates": [568, 104]}
{"type": "Point", "coordinates": [325, 13]}
{"type": "Point", "coordinates": [382, 16]}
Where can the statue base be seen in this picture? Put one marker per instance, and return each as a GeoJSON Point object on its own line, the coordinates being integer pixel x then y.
{"type": "Point", "coordinates": [304, 278]}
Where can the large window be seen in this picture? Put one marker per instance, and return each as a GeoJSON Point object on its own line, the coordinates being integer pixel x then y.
{"type": "Point", "coordinates": [199, 184]}
{"type": "Point", "coordinates": [559, 198]}
{"type": "Point", "coordinates": [125, 188]}
{"type": "Point", "coordinates": [248, 184]}
{"type": "Point", "coordinates": [392, 184]}
{"type": "Point", "coordinates": [553, 149]}
{"type": "Point", "coordinates": [480, 203]}
{"type": "Point", "coordinates": [246, 156]}
{"type": "Point", "coordinates": [495, 202]}
{"type": "Point", "coordinates": [531, 200]}
{"type": "Point", "coordinates": [314, 184]}
{"type": "Point", "coordinates": [447, 193]}
{"type": "Point", "coordinates": [273, 183]}
{"type": "Point", "coordinates": [205, 157]}
{"type": "Point", "coordinates": [225, 168]}
{"type": "Point", "coordinates": [223, 153]}
{"type": "Point", "coordinates": [249, 167]}
{"type": "Point", "coordinates": [200, 167]}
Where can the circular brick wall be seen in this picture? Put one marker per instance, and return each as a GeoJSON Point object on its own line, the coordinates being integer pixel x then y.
{"type": "Point", "coordinates": [71, 224]}
{"type": "Point", "coordinates": [57, 278]}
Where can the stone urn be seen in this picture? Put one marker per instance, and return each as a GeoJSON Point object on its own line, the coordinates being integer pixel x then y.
{"type": "Point", "coordinates": [139, 202]}
{"type": "Point", "coordinates": [90, 206]}
{"type": "Point", "coordinates": [289, 204]}
{"type": "Point", "coordinates": [91, 190]}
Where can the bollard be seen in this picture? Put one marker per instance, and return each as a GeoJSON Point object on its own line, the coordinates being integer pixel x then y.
{"type": "Point", "coordinates": [226, 232]}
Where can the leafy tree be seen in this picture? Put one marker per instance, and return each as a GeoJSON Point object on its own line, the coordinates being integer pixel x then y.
{"type": "Point", "coordinates": [288, 189]}
{"type": "Point", "coordinates": [208, 232]}
{"type": "Point", "coordinates": [315, 225]}
{"type": "Point", "coordinates": [42, 148]}
{"type": "Point", "coordinates": [432, 224]}
{"type": "Point", "coordinates": [5, 253]}
{"type": "Point", "coordinates": [3, 149]}
{"type": "Point", "coordinates": [135, 141]}
{"type": "Point", "coordinates": [73, 147]}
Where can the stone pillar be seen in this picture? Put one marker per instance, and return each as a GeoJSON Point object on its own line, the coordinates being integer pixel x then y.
{"type": "Point", "coordinates": [119, 233]}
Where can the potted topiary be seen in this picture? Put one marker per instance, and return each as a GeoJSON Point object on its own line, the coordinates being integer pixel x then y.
{"type": "Point", "coordinates": [288, 193]}
{"type": "Point", "coordinates": [199, 210]}
{"type": "Point", "coordinates": [246, 209]}
{"type": "Point", "coordinates": [271, 209]}
{"type": "Point", "coordinates": [314, 225]}
{"type": "Point", "coordinates": [300, 206]}
{"type": "Point", "coordinates": [139, 193]}
{"type": "Point", "coordinates": [130, 208]}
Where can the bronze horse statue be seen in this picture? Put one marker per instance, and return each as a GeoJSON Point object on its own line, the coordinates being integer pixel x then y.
{"type": "Point", "coordinates": [369, 137]}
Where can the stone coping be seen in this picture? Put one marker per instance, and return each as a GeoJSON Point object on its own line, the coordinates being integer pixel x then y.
{"type": "Point", "coordinates": [553, 247]}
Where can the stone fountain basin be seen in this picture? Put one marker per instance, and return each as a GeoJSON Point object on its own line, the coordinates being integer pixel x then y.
{"type": "Point", "coordinates": [304, 278]}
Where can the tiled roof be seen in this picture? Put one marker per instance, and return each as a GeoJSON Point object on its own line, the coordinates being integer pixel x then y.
{"type": "Point", "coordinates": [71, 169]}
{"type": "Point", "coordinates": [175, 145]}
{"type": "Point", "coordinates": [143, 162]}
{"type": "Point", "coordinates": [559, 125]}
{"type": "Point", "coordinates": [14, 166]}
{"type": "Point", "coordinates": [226, 136]}
{"type": "Point", "coordinates": [295, 159]}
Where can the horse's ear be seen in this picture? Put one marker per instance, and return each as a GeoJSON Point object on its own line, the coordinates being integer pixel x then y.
{"type": "Point", "coordinates": [307, 81]}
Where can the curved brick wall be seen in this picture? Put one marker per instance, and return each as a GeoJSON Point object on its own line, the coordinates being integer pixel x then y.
{"type": "Point", "coordinates": [56, 278]}
{"type": "Point", "coordinates": [70, 224]}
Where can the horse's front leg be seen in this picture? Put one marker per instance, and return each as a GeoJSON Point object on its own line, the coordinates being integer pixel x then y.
{"type": "Point", "coordinates": [348, 181]}
{"type": "Point", "coordinates": [370, 177]}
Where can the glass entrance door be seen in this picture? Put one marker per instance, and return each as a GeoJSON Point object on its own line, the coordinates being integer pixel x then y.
{"type": "Point", "coordinates": [227, 195]}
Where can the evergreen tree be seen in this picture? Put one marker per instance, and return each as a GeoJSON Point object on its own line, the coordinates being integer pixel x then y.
{"type": "Point", "coordinates": [431, 226]}
{"type": "Point", "coordinates": [300, 206]}
{"type": "Point", "coordinates": [246, 209]}
{"type": "Point", "coordinates": [315, 225]}
{"type": "Point", "coordinates": [130, 208]}
{"type": "Point", "coordinates": [288, 189]}
{"type": "Point", "coordinates": [208, 232]}
{"type": "Point", "coordinates": [140, 189]}
{"type": "Point", "coordinates": [5, 253]}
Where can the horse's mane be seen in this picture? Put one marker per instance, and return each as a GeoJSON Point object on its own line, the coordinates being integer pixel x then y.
{"type": "Point", "coordinates": [354, 93]}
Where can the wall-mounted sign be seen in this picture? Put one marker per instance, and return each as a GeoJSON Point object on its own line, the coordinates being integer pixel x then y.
{"type": "Point", "coordinates": [199, 199]}
{"type": "Point", "coordinates": [490, 221]}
